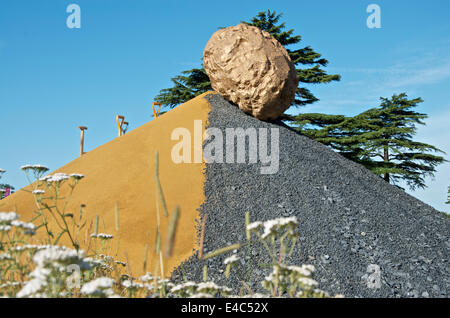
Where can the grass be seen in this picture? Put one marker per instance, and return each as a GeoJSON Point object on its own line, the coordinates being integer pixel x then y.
{"type": "Point", "coordinates": [32, 268]}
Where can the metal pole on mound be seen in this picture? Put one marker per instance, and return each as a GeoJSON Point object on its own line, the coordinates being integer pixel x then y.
{"type": "Point", "coordinates": [82, 128]}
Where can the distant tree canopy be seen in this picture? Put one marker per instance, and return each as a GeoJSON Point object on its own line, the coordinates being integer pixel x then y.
{"type": "Point", "coordinates": [380, 138]}
{"type": "Point", "coordinates": [3, 187]}
{"type": "Point", "coordinates": [309, 64]}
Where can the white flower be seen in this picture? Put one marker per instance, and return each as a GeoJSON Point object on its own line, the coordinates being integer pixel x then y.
{"type": "Point", "coordinates": [102, 236]}
{"type": "Point", "coordinates": [231, 260]}
{"type": "Point", "coordinates": [38, 191]}
{"type": "Point", "coordinates": [76, 176]}
{"type": "Point", "coordinates": [55, 178]}
{"type": "Point", "coordinates": [183, 286]}
{"type": "Point", "coordinates": [38, 168]}
{"type": "Point", "coordinates": [31, 288]}
{"type": "Point", "coordinates": [9, 284]}
{"type": "Point", "coordinates": [24, 225]}
{"type": "Point", "coordinates": [8, 217]}
{"type": "Point", "coordinates": [58, 256]}
{"type": "Point", "coordinates": [254, 226]}
{"type": "Point", "coordinates": [201, 295]}
{"type": "Point", "coordinates": [308, 282]}
{"type": "Point", "coordinates": [207, 285]}
{"type": "Point", "coordinates": [99, 287]}
{"type": "Point", "coordinates": [120, 263]}
{"type": "Point", "coordinates": [5, 256]}
{"type": "Point", "coordinates": [21, 248]}
{"type": "Point", "coordinates": [304, 270]}
{"type": "Point", "coordinates": [147, 277]}
{"type": "Point", "coordinates": [5, 228]}
{"type": "Point", "coordinates": [256, 295]}
{"type": "Point", "coordinates": [131, 285]}
{"type": "Point", "coordinates": [272, 226]}
{"type": "Point", "coordinates": [40, 273]}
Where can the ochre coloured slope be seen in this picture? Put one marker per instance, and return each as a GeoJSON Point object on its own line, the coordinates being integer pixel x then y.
{"type": "Point", "coordinates": [122, 171]}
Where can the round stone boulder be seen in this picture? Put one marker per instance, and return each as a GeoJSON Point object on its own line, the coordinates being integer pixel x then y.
{"type": "Point", "coordinates": [250, 68]}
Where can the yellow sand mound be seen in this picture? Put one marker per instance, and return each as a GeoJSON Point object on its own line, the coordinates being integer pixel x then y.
{"type": "Point", "coordinates": [122, 171]}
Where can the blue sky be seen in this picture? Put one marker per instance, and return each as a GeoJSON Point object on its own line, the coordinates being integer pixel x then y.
{"type": "Point", "coordinates": [53, 79]}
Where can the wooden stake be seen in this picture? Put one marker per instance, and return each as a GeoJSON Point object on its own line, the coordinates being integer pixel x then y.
{"type": "Point", "coordinates": [82, 128]}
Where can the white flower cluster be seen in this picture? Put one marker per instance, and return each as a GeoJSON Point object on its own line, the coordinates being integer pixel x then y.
{"type": "Point", "coordinates": [7, 217]}
{"type": "Point", "coordinates": [271, 227]}
{"type": "Point", "coordinates": [55, 178]}
{"type": "Point", "coordinates": [102, 236]}
{"type": "Point", "coordinates": [9, 284]}
{"type": "Point", "coordinates": [29, 228]}
{"type": "Point", "coordinates": [48, 261]}
{"type": "Point", "coordinates": [147, 277]}
{"type": "Point", "coordinates": [5, 228]}
{"type": "Point", "coordinates": [100, 287]}
{"type": "Point", "coordinates": [292, 279]}
{"type": "Point", "coordinates": [5, 257]}
{"type": "Point", "coordinates": [195, 290]}
{"type": "Point", "coordinates": [131, 285]}
{"type": "Point", "coordinates": [201, 295]}
{"type": "Point", "coordinates": [231, 260]}
{"type": "Point", "coordinates": [39, 168]}
{"type": "Point", "coordinates": [38, 191]}
{"type": "Point", "coordinates": [76, 176]}
{"type": "Point", "coordinates": [27, 247]}
{"type": "Point", "coordinates": [59, 257]}
{"type": "Point", "coordinates": [275, 226]}
{"type": "Point", "coordinates": [305, 270]}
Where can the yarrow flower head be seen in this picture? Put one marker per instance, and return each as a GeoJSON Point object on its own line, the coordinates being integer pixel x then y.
{"type": "Point", "coordinates": [7, 217]}
{"type": "Point", "coordinates": [37, 170]}
{"type": "Point", "coordinates": [254, 226]}
{"type": "Point", "coordinates": [272, 227]}
{"type": "Point", "coordinates": [29, 228]}
{"type": "Point", "coordinates": [5, 228]}
{"type": "Point", "coordinates": [231, 260]}
{"type": "Point", "coordinates": [147, 277]}
{"type": "Point", "coordinates": [76, 176]}
{"type": "Point", "coordinates": [101, 287]}
{"type": "Point", "coordinates": [102, 236]}
{"type": "Point", "coordinates": [59, 256]}
{"type": "Point", "coordinates": [56, 178]}
{"type": "Point", "coordinates": [38, 191]}
{"type": "Point", "coordinates": [129, 284]}
{"type": "Point", "coordinates": [5, 256]}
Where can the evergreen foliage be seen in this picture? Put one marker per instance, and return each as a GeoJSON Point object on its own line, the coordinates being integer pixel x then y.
{"type": "Point", "coordinates": [380, 138]}
{"type": "Point", "coordinates": [309, 64]}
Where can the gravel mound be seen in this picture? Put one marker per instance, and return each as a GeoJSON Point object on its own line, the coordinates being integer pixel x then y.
{"type": "Point", "coordinates": [351, 221]}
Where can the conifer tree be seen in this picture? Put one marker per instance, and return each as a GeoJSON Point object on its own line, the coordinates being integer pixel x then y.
{"type": "Point", "coordinates": [309, 64]}
{"type": "Point", "coordinates": [380, 138]}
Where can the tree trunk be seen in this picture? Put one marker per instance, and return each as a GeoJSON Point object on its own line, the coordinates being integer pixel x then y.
{"type": "Point", "coordinates": [386, 159]}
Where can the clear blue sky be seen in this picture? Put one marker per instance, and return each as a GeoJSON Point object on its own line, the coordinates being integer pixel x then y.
{"type": "Point", "coordinates": [53, 79]}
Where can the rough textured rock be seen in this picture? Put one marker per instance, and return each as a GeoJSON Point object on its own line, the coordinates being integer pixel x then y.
{"type": "Point", "coordinates": [252, 69]}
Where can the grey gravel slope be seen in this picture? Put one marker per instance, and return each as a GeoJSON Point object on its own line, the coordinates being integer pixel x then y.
{"type": "Point", "coordinates": [349, 219]}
